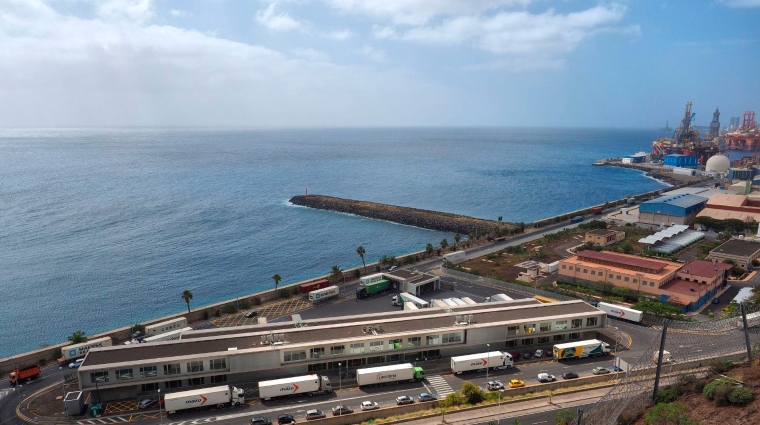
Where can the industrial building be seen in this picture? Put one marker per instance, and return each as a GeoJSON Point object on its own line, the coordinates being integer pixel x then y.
{"type": "Point", "coordinates": [412, 282]}
{"type": "Point", "coordinates": [604, 237]}
{"type": "Point", "coordinates": [252, 353]}
{"type": "Point", "coordinates": [689, 285]}
{"type": "Point", "coordinates": [741, 251]}
{"type": "Point", "coordinates": [674, 209]}
{"type": "Point", "coordinates": [678, 160]}
{"type": "Point", "coordinates": [723, 206]}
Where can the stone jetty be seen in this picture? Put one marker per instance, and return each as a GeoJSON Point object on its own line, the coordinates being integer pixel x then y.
{"type": "Point", "coordinates": [425, 219]}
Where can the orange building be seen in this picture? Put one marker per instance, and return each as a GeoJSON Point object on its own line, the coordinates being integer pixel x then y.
{"type": "Point", "coordinates": [604, 237]}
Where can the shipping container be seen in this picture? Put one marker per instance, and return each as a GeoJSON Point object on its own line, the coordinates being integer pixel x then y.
{"type": "Point", "coordinates": [468, 300]}
{"type": "Point", "coordinates": [296, 385]}
{"type": "Point", "coordinates": [410, 306]}
{"type": "Point", "coordinates": [305, 288]}
{"type": "Point", "coordinates": [389, 374]}
{"type": "Point", "coordinates": [551, 267]}
{"type": "Point", "coordinates": [169, 336]}
{"type": "Point", "coordinates": [324, 294]}
{"type": "Point", "coordinates": [206, 397]}
{"type": "Point", "coordinates": [454, 257]}
{"type": "Point", "coordinates": [498, 297]}
{"type": "Point", "coordinates": [372, 278]}
{"type": "Point", "coordinates": [167, 326]}
{"type": "Point", "coordinates": [458, 301]}
{"type": "Point", "coordinates": [621, 312]}
{"type": "Point", "coordinates": [368, 289]}
{"type": "Point", "coordinates": [580, 349]}
{"type": "Point", "coordinates": [403, 297]}
{"type": "Point", "coordinates": [440, 303]}
{"type": "Point", "coordinates": [473, 362]}
{"type": "Point", "coordinates": [80, 350]}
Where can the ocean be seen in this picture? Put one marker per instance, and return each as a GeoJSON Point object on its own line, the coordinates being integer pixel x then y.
{"type": "Point", "coordinates": [103, 228]}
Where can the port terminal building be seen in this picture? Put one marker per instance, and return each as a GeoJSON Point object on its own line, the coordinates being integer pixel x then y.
{"type": "Point", "coordinates": [674, 209]}
{"type": "Point", "coordinates": [210, 357]}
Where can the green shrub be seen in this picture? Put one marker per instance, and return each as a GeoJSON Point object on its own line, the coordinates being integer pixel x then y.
{"type": "Point", "coordinates": [230, 309]}
{"type": "Point", "coordinates": [741, 396]}
{"type": "Point", "coordinates": [698, 386]}
{"type": "Point", "coordinates": [285, 293]}
{"type": "Point", "coordinates": [722, 366]}
{"type": "Point", "coordinates": [256, 300]}
{"type": "Point", "coordinates": [667, 395]}
{"type": "Point", "coordinates": [205, 315]}
{"type": "Point", "coordinates": [471, 393]}
{"type": "Point", "coordinates": [217, 313]}
{"type": "Point", "coordinates": [709, 389]}
{"type": "Point", "coordinates": [722, 393]}
{"type": "Point", "coordinates": [565, 417]}
{"type": "Point", "coordinates": [357, 273]}
{"type": "Point", "coordinates": [452, 400]}
{"type": "Point", "coordinates": [57, 354]}
{"type": "Point", "coordinates": [668, 414]}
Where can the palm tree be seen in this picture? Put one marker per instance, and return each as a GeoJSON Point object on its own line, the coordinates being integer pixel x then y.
{"type": "Point", "coordinates": [336, 272]}
{"type": "Point", "coordinates": [277, 280]}
{"type": "Point", "coordinates": [444, 244]}
{"type": "Point", "coordinates": [187, 296]}
{"type": "Point", "coordinates": [78, 337]}
{"type": "Point", "coordinates": [392, 260]}
{"type": "Point", "coordinates": [383, 261]}
{"type": "Point", "coordinates": [457, 238]}
{"type": "Point", "coordinates": [361, 253]}
{"type": "Point", "coordinates": [429, 249]}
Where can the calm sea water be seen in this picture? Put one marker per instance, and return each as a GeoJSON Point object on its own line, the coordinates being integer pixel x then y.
{"type": "Point", "coordinates": [101, 228]}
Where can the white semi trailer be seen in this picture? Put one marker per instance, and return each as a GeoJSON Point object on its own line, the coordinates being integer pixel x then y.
{"type": "Point", "coordinates": [169, 336]}
{"type": "Point", "coordinates": [80, 350]}
{"type": "Point", "coordinates": [389, 374]}
{"type": "Point", "coordinates": [454, 257]}
{"type": "Point", "coordinates": [498, 297]}
{"type": "Point", "coordinates": [306, 384]}
{"type": "Point", "coordinates": [205, 397]}
{"type": "Point", "coordinates": [164, 327]}
{"type": "Point", "coordinates": [490, 360]}
{"type": "Point", "coordinates": [324, 294]}
{"type": "Point", "coordinates": [621, 312]}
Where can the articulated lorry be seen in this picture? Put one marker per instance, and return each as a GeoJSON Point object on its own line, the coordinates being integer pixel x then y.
{"type": "Point", "coordinates": [580, 349]}
{"type": "Point", "coordinates": [206, 397]}
{"type": "Point", "coordinates": [498, 297]}
{"type": "Point", "coordinates": [454, 257]}
{"type": "Point", "coordinates": [76, 351]}
{"type": "Point", "coordinates": [164, 327]}
{"type": "Point", "coordinates": [297, 385]}
{"type": "Point", "coordinates": [365, 290]}
{"type": "Point", "coordinates": [621, 312]}
{"type": "Point", "coordinates": [490, 360]}
{"type": "Point", "coordinates": [389, 374]}
{"type": "Point", "coordinates": [24, 374]}
{"type": "Point", "coordinates": [324, 294]}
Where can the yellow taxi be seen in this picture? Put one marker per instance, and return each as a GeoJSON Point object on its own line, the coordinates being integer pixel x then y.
{"type": "Point", "coordinates": [514, 383]}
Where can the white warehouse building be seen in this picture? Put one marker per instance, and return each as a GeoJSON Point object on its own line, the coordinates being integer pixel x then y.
{"type": "Point", "coordinates": [265, 351]}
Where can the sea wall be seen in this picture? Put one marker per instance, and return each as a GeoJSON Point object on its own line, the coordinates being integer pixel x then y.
{"type": "Point", "coordinates": [425, 219]}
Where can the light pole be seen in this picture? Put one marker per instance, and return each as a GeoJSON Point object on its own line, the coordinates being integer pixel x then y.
{"type": "Point", "coordinates": [498, 412]}
{"type": "Point", "coordinates": [340, 386]}
{"type": "Point", "coordinates": [160, 412]}
{"type": "Point", "coordinates": [488, 359]}
{"type": "Point", "coordinates": [63, 388]}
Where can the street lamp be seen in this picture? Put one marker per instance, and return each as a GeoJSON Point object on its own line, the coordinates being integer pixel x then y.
{"type": "Point", "coordinates": [63, 388]}
{"type": "Point", "coordinates": [340, 386]}
{"type": "Point", "coordinates": [488, 359]}
{"type": "Point", "coordinates": [160, 413]}
{"type": "Point", "coordinates": [498, 412]}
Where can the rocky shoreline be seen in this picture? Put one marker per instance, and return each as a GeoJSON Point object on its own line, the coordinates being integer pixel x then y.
{"type": "Point", "coordinates": [656, 172]}
{"type": "Point", "coordinates": [425, 219]}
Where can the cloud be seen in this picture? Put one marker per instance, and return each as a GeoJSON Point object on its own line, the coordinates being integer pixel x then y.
{"type": "Point", "coordinates": [741, 3]}
{"type": "Point", "coordinates": [419, 12]}
{"type": "Point", "coordinates": [132, 10]}
{"type": "Point", "coordinates": [373, 54]}
{"type": "Point", "coordinates": [311, 55]}
{"type": "Point", "coordinates": [338, 34]}
{"type": "Point", "coordinates": [277, 22]}
{"type": "Point", "coordinates": [179, 13]}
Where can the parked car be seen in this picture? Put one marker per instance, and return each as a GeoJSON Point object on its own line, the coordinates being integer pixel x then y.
{"type": "Point", "coordinates": [369, 405]}
{"type": "Point", "coordinates": [76, 364]}
{"type": "Point", "coordinates": [600, 370]}
{"type": "Point", "coordinates": [286, 419]}
{"type": "Point", "coordinates": [250, 314]}
{"type": "Point", "coordinates": [515, 383]}
{"type": "Point", "coordinates": [260, 420]}
{"type": "Point", "coordinates": [342, 410]}
{"type": "Point", "coordinates": [314, 414]}
{"type": "Point", "coordinates": [716, 301]}
{"type": "Point", "coordinates": [147, 403]}
{"type": "Point", "coordinates": [526, 355]}
{"type": "Point", "coordinates": [404, 399]}
{"type": "Point", "coordinates": [538, 353]}
{"type": "Point", "coordinates": [393, 268]}
{"type": "Point", "coordinates": [515, 355]}
{"type": "Point", "coordinates": [545, 377]}
{"type": "Point", "coordinates": [494, 385]}
{"type": "Point", "coordinates": [426, 397]}
{"type": "Point", "coordinates": [569, 375]}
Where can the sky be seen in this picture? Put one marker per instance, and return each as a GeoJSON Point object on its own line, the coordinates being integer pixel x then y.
{"type": "Point", "coordinates": [338, 63]}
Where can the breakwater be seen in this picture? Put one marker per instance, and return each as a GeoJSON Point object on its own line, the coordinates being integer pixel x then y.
{"type": "Point", "coordinates": [425, 219]}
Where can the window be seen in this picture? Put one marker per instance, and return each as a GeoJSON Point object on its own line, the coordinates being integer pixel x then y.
{"type": "Point", "coordinates": [513, 330]}
{"type": "Point", "coordinates": [618, 277]}
{"type": "Point", "coordinates": [337, 350]}
{"type": "Point", "coordinates": [626, 279]}
{"type": "Point", "coordinates": [317, 367]}
{"type": "Point", "coordinates": [563, 266]}
{"type": "Point", "coordinates": [216, 364]}
{"type": "Point", "coordinates": [357, 348]}
{"type": "Point", "coordinates": [172, 369]}
{"type": "Point", "coordinates": [98, 377]}
{"type": "Point", "coordinates": [577, 269]}
{"type": "Point", "coordinates": [576, 323]}
{"type": "Point", "coordinates": [295, 355]}
{"type": "Point", "coordinates": [559, 338]}
{"type": "Point", "coordinates": [149, 387]}
{"type": "Point", "coordinates": [173, 384]}
{"type": "Point", "coordinates": [195, 366]}
{"type": "Point", "coordinates": [316, 353]}
{"type": "Point", "coordinates": [635, 280]}
{"type": "Point", "coordinates": [585, 270]}
{"type": "Point", "coordinates": [529, 329]}
{"type": "Point", "coordinates": [575, 335]}
{"type": "Point", "coordinates": [395, 344]}
{"type": "Point", "coordinates": [560, 325]}
{"type": "Point", "coordinates": [148, 372]}
{"type": "Point", "coordinates": [591, 321]}
{"type": "Point", "coordinates": [196, 381]}
{"type": "Point", "coordinates": [124, 374]}
{"type": "Point", "coordinates": [376, 360]}
{"type": "Point", "coordinates": [611, 276]}
{"type": "Point", "coordinates": [593, 273]}
{"type": "Point", "coordinates": [511, 343]}
{"type": "Point", "coordinates": [433, 340]}
{"type": "Point", "coordinates": [218, 379]}
{"type": "Point", "coordinates": [651, 283]}
{"type": "Point", "coordinates": [414, 341]}
{"type": "Point", "coordinates": [393, 358]}
{"type": "Point", "coordinates": [527, 341]}
{"type": "Point", "coordinates": [376, 346]}
{"type": "Point", "coordinates": [452, 337]}
{"type": "Point", "coordinates": [413, 357]}
{"type": "Point", "coordinates": [546, 327]}
{"type": "Point", "coordinates": [543, 339]}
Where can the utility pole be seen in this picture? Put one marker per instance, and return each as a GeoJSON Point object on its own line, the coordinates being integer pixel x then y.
{"type": "Point", "coordinates": [746, 331]}
{"type": "Point", "coordinates": [659, 360]}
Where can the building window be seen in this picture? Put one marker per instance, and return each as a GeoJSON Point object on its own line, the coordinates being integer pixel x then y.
{"type": "Point", "coordinates": [626, 279]}
{"type": "Point", "coordinates": [316, 353]}
{"type": "Point", "coordinates": [511, 343]}
{"type": "Point", "coordinates": [611, 276]}
{"type": "Point", "coordinates": [196, 366]}
{"type": "Point", "coordinates": [173, 384]}
{"type": "Point", "coordinates": [98, 377]}
{"type": "Point", "coordinates": [546, 327]}
{"type": "Point", "coordinates": [593, 273]}
{"type": "Point", "coordinates": [316, 367]}
{"type": "Point", "coordinates": [148, 372]}
{"type": "Point", "coordinates": [635, 280]}
{"type": "Point", "coordinates": [295, 355]}
{"type": "Point", "coordinates": [560, 325]}
{"type": "Point", "coordinates": [172, 369]}
{"type": "Point", "coordinates": [563, 266]}
{"type": "Point", "coordinates": [575, 335]}
{"type": "Point", "coordinates": [577, 269]}
{"type": "Point", "coordinates": [618, 277]}
{"type": "Point", "coordinates": [527, 341]}
{"type": "Point", "coordinates": [393, 358]}
{"type": "Point", "coordinates": [395, 344]}
{"type": "Point", "coordinates": [452, 338]}
{"type": "Point", "coordinates": [559, 338]}
{"type": "Point", "coordinates": [149, 387]}
{"type": "Point", "coordinates": [591, 321]}
{"type": "Point", "coordinates": [414, 341]}
{"type": "Point", "coordinates": [529, 329]}
{"type": "Point", "coordinates": [218, 379]}
{"type": "Point", "coordinates": [196, 381]}
{"type": "Point", "coordinates": [433, 340]}
{"type": "Point", "coordinates": [217, 364]}
{"type": "Point", "coordinates": [376, 360]}
{"type": "Point", "coordinates": [337, 350]}
{"type": "Point", "coordinates": [576, 323]}
{"type": "Point", "coordinates": [543, 339]}
{"type": "Point", "coordinates": [376, 346]}
{"type": "Point", "coordinates": [124, 374]}
{"type": "Point", "coordinates": [513, 330]}
{"type": "Point", "coordinates": [651, 283]}
{"type": "Point", "coordinates": [357, 348]}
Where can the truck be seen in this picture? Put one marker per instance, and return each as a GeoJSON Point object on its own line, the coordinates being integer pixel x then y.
{"type": "Point", "coordinates": [621, 312]}
{"type": "Point", "coordinates": [454, 257]}
{"type": "Point", "coordinates": [205, 397]}
{"type": "Point", "coordinates": [305, 288]}
{"type": "Point", "coordinates": [389, 374]}
{"type": "Point", "coordinates": [169, 336]}
{"type": "Point", "coordinates": [296, 385]}
{"type": "Point", "coordinates": [468, 300]}
{"type": "Point", "coordinates": [324, 294]}
{"type": "Point", "coordinates": [400, 299]}
{"type": "Point", "coordinates": [365, 290]}
{"type": "Point", "coordinates": [581, 349]}
{"type": "Point", "coordinates": [24, 373]}
{"type": "Point", "coordinates": [410, 306]}
{"type": "Point", "coordinates": [489, 360]}
{"type": "Point", "coordinates": [498, 297]}
{"type": "Point", "coordinates": [596, 210]}
{"type": "Point", "coordinates": [440, 303]}
{"type": "Point", "coordinates": [164, 327]}
{"type": "Point", "coordinates": [80, 350]}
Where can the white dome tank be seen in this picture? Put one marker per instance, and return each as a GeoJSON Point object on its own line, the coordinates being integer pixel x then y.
{"type": "Point", "coordinates": [718, 164]}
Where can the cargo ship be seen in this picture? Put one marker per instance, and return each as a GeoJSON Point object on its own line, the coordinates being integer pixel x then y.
{"type": "Point", "coordinates": [687, 141]}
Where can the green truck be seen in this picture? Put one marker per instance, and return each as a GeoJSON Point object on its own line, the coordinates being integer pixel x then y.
{"type": "Point", "coordinates": [369, 289]}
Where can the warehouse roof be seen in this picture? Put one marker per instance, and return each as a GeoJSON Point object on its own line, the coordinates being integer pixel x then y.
{"type": "Point", "coordinates": [737, 247]}
{"type": "Point", "coordinates": [727, 199]}
{"type": "Point", "coordinates": [683, 200]}
{"type": "Point", "coordinates": [705, 268]}
{"type": "Point", "coordinates": [622, 260]}
{"type": "Point", "coordinates": [439, 319]}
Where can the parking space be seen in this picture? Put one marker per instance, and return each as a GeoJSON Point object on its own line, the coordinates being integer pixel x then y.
{"type": "Point", "coordinates": [270, 311]}
{"type": "Point", "coordinates": [120, 407]}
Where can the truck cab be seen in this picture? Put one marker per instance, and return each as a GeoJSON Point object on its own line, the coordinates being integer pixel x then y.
{"type": "Point", "coordinates": [419, 374]}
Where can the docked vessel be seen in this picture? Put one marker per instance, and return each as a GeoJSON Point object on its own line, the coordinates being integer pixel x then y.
{"type": "Point", "coordinates": [746, 137]}
{"type": "Point", "coordinates": [687, 140]}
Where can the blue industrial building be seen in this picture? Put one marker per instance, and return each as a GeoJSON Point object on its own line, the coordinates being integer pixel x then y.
{"type": "Point", "coordinates": [740, 174]}
{"type": "Point", "coordinates": [676, 160]}
{"type": "Point", "coordinates": [678, 209]}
